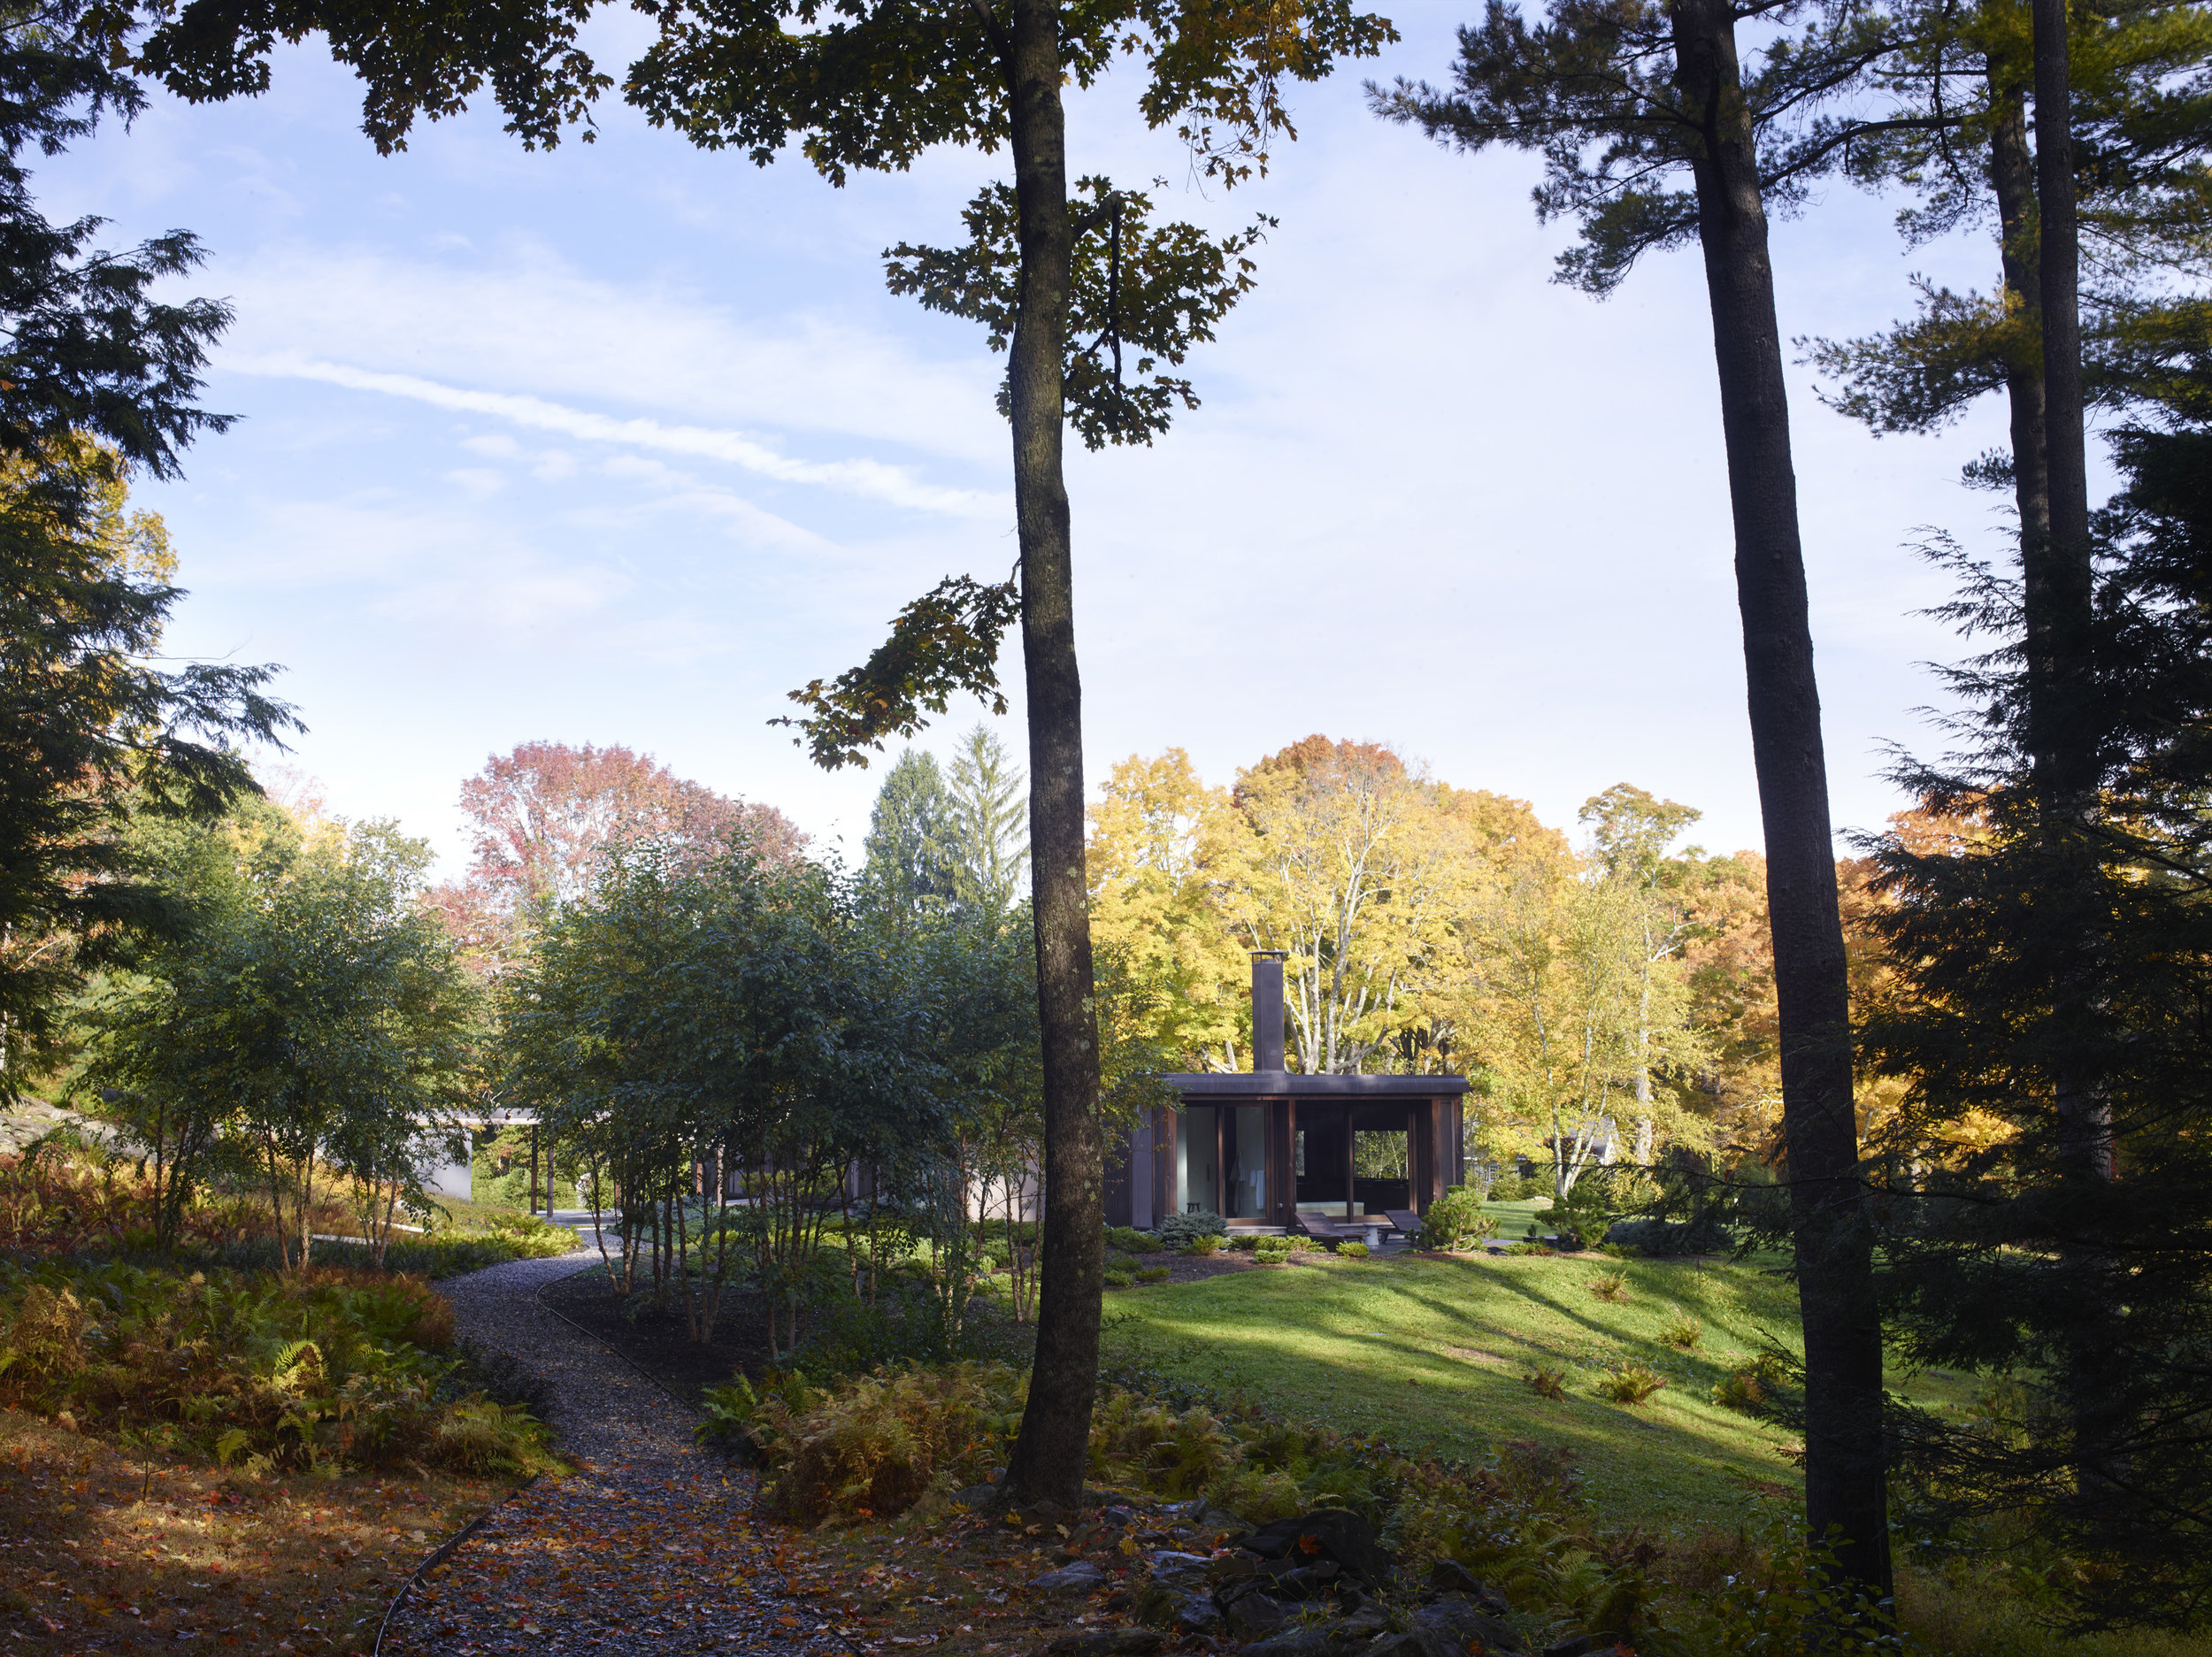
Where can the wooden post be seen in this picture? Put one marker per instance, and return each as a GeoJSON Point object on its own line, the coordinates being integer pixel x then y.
{"type": "Point", "coordinates": [1221, 1165]}
{"type": "Point", "coordinates": [533, 1167]}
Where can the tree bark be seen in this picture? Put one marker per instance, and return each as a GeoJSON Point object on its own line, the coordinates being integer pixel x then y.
{"type": "Point", "coordinates": [1844, 1462]}
{"type": "Point", "coordinates": [1047, 1463]}
{"type": "Point", "coordinates": [2012, 179]}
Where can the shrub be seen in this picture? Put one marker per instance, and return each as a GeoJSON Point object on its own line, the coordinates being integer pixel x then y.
{"type": "Point", "coordinates": [1179, 1230]}
{"type": "Point", "coordinates": [1271, 1251]}
{"type": "Point", "coordinates": [1547, 1380]}
{"type": "Point", "coordinates": [1202, 1246]}
{"type": "Point", "coordinates": [1530, 1248]}
{"type": "Point", "coordinates": [331, 1367]}
{"type": "Point", "coordinates": [1684, 1331]}
{"type": "Point", "coordinates": [1630, 1383]}
{"type": "Point", "coordinates": [876, 1446]}
{"type": "Point", "coordinates": [1152, 1274]}
{"type": "Point", "coordinates": [1119, 1276]}
{"type": "Point", "coordinates": [1131, 1241]}
{"type": "Point", "coordinates": [1455, 1220]}
{"type": "Point", "coordinates": [1352, 1251]}
{"type": "Point", "coordinates": [1620, 1251]}
{"type": "Point", "coordinates": [1752, 1383]}
{"type": "Point", "coordinates": [1610, 1286]}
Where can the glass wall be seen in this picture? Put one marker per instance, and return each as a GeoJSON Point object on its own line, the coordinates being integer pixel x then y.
{"type": "Point", "coordinates": [1246, 1162]}
{"type": "Point", "coordinates": [1195, 1166]}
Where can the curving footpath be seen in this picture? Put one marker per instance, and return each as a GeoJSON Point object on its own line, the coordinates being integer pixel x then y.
{"type": "Point", "coordinates": [650, 1548]}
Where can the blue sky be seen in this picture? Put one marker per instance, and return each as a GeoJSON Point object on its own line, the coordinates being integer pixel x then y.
{"type": "Point", "coordinates": [621, 442]}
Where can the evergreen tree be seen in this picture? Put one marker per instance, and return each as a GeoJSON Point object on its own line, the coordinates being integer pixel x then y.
{"type": "Point", "coordinates": [984, 841]}
{"type": "Point", "coordinates": [96, 379]}
{"type": "Point", "coordinates": [2080, 1273]}
{"type": "Point", "coordinates": [906, 870]}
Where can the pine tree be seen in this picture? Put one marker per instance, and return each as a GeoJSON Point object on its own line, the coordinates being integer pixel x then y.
{"type": "Point", "coordinates": [983, 843]}
{"type": "Point", "coordinates": [2090, 1292]}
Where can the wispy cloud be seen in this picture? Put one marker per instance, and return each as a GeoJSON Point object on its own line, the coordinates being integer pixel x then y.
{"type": "Point", "coordinates": [896, 486]}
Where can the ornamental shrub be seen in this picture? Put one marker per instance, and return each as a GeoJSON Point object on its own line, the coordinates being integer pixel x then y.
{"type": "Point", "coordinates": [1457, 1220]}
{"type": "Point", "coordinates": [1178, 1230]}
{"type": "Point", "coordinates": [1353, 1251]}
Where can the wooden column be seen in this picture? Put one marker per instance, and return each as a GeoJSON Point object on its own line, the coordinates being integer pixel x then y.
{"type": "Point", "coordinates": [1350, 1166]}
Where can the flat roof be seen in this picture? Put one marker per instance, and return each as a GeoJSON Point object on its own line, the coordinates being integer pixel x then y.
{"type": "Point", "coordinates": [1291, 1085]}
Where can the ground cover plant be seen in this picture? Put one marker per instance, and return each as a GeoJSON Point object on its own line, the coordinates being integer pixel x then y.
{"type": "Point", "coordinates": [108, 1545]}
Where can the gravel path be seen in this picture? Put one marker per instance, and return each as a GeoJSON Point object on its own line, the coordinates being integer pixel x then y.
{"type": "Point", "coordinates": [650, 1548]}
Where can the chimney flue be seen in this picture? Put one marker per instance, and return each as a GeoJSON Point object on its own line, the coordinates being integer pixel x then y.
{"type": "Point", "coordinates": [1267, 1009]}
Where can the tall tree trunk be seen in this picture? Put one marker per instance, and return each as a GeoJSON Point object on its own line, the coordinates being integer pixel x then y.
{"type": "Point", "coordinates": [1844, 1492]}
{"type": "Point", "coordinates": [2063, 731]}
{"type": "Point", "coordinates": [2012, 178]}
{"type": "Point", "coordinates": [1048, 1462]}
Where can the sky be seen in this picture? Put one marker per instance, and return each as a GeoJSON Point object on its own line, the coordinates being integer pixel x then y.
{"type": "Point", "coordinates": [623, 441]}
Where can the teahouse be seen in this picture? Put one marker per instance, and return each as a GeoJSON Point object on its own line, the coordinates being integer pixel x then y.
{"type": "Point", "coordinates": [1260, 1147]}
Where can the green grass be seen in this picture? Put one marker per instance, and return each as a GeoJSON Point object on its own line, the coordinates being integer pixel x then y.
{"type": "Point", "coordinates": [1430, 1353]}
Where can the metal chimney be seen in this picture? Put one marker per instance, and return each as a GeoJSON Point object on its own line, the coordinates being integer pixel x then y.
{"type": "Point", "coordinates": [1267, 1009]}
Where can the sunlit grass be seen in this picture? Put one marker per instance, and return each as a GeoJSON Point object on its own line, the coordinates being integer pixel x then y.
{"type": "Point", "coordinates": [1431, 1355]}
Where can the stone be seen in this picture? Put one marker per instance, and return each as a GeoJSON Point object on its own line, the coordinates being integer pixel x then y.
{"type": "Point", "coordinates": [1309, 1582]}
{"type": "Point", "coordinates": [1197, 1613]}
{"type": "Point", "coordinates": [1318, 1640]}
{"type": "Point", "coordinates": [1459, 1617]}
{"type": "Point", "coordinates": [1185, 1572]}
{"type": "Point", "coordinates": [1366, 1622]}
{"type": "Point", "coordinates": [1108, 1642]}
{"type": "Point", "coordinates": [1255, 1613]}
{"type": "Point", "coordinates": [1082, 1576]}
{"type": "Point", "coordinates": [976, 1498]}
{"type": "Point", "coordinates": [1415, 1642]}
{"type": "Point", "coordinates": [1449, 1576]}
{"type": "Point", "coordinates": [1340, 1534]}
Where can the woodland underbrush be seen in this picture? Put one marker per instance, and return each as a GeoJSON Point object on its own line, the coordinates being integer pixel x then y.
{"type": "Point", "coordinates": [85, 1202]}
{"type": "Point", "coordinates": [327, 1369]}
{"type": "Point", "coordinates": [902, 1446]}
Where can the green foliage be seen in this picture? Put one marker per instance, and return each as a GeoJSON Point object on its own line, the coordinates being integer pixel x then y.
{"type": "Point", "coordinates": [1753, 1385]}
{"type": "Point", "coordinates": [1683, 1332]}
{"type": "Point", "coordinates": [322, 1369]}
{"type": "Point", "coordinates": [1155, 290]}
{"type": "Point", "coordinates": [1547, 1380]}
{"type": "Point", "coordinates": [1179, 1230]}
{"type": "Point", "coordinates": [1152, 1274]}
{"type": "Point", "coordinates": [943, 644]}
{"type": "Point", "coordinates": [1131, 1241]}
{"type": "Point", "coordinates": [1630, 1383]}
{"type": "Point", "coordinates": [314, 1016]}
{"type": "Point", "coordinates": [1118, 1276]}
{"type": "Point", "coordinates": [1610, 1286]}
{"type": "Point", "coordinates": [1455, 1220]}
{"type": "Point", "coordinates": [1352, 1251]}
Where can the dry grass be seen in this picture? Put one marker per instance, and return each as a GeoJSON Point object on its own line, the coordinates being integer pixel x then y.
{"type": "Point", "coordinates": [101, 1550]}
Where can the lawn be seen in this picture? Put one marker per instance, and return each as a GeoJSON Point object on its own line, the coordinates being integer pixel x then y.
{"type": "Point", "coordinates": [1432, 1353]}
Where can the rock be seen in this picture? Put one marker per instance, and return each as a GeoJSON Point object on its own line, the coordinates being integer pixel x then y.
{"type": "Point", "coordinates": [1365, 1622]}
{"type": "Point", "coordinates": [1184, 1571]}
{"type": "Point", "coordinates": [1108, 1642]}
{"type": "Point", "coordinates": [1416, 1642]}
{"type": "Point", "coordinates": [1197, 1614]}
{"type": "Point", "coordinates": [1254, 1615]}
{"type": "Point", "coordinates": [1458, 1616]}
{"type": "Point", "coordinates": [1308, 1582]}
{"type": "Point", "coordinates": [976, 1498]}
{"type": "Point", "coordinates": [1082, 1576]}
{"type": "Point", "coordinates": [1337, 1532]}
{"type": "Point", "coordinates": [1578, 1645]}
{"type": "Point", "coordinates": [1449, 1576]}
{"type": "Point", "coordinates": [1320, 1641]}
